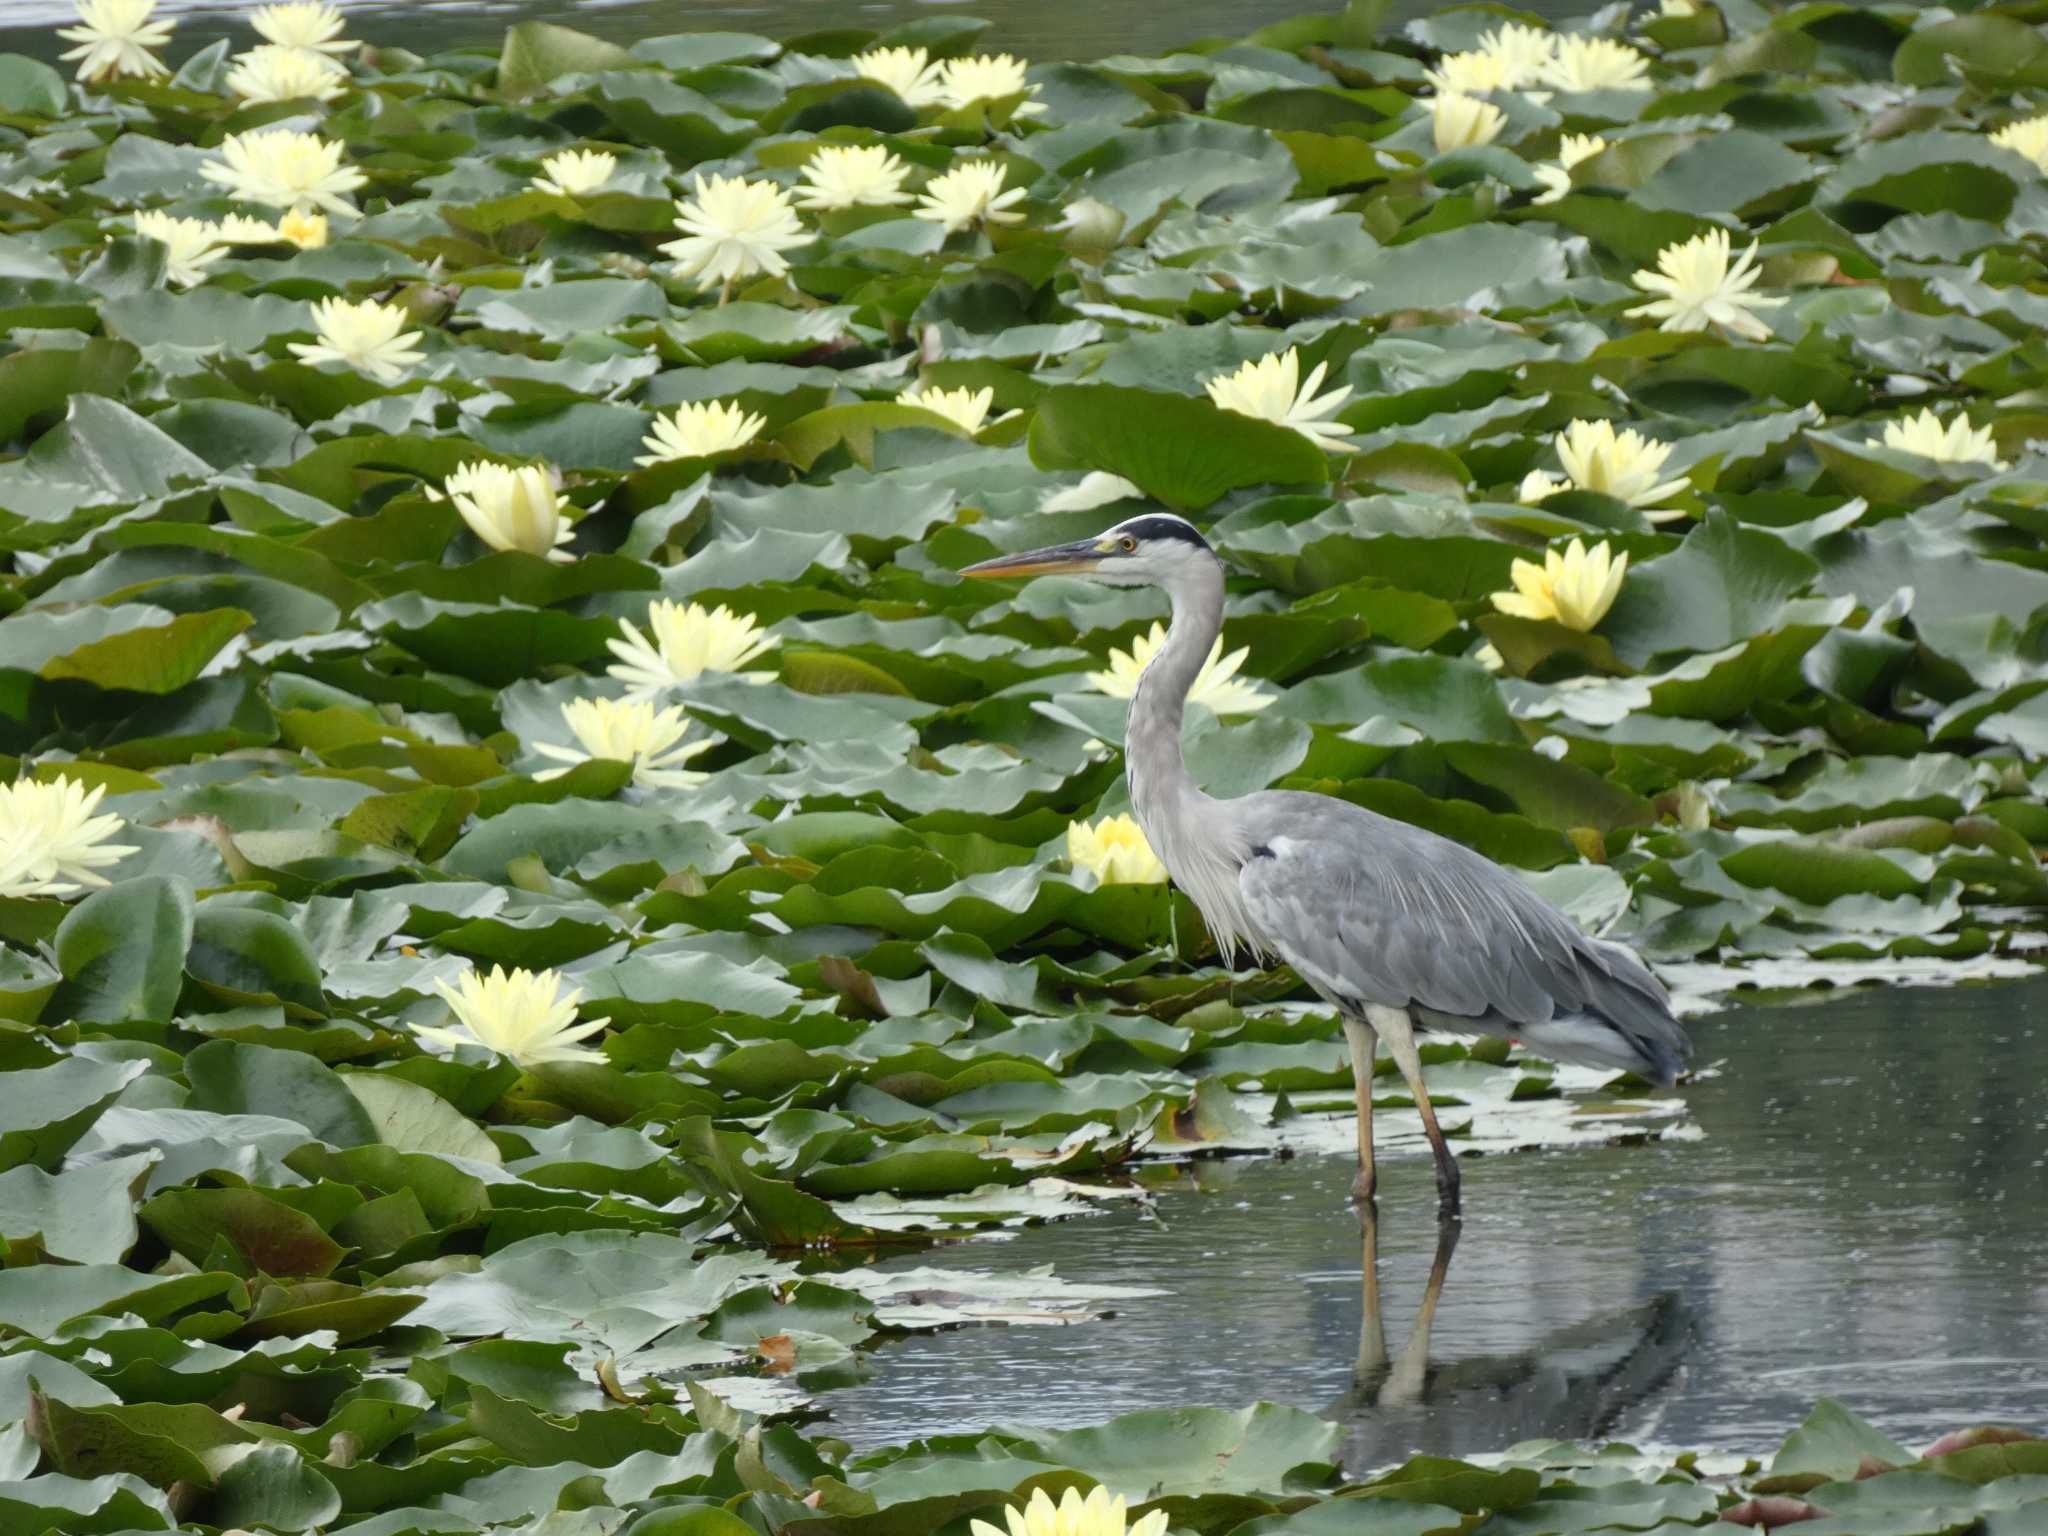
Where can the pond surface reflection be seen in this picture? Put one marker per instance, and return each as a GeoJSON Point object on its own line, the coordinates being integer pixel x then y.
{"type": "Point", "coordinates": [1866, 1217]}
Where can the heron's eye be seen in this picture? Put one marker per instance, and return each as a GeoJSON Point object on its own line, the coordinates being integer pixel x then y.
{"type": "Point", "coordinates": [1129, 544]}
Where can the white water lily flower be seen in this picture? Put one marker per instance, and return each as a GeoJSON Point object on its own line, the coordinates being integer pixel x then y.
{"type": "Point", "coordinates": [1115, 851]}
{"type": "Point", "coordinates": [1571, 150]}
{"type": "Point", "coordinates": [988, 77]}
{"type": "Point", "coordinates": [115, 38]}
{"type": "Point", "coordinates": [1622, 464]}
{"type": "Point", "coordinates": [190, 245]}
{"type": "Point", "coordinates": [628, 731]}
{"type": "Point", "coordinates": [307, 24]}
{"type": "Point", "coordinates": [2028, 137]}
{"type": "Point", "coordinates": [733, 229]}
{"type": "Point", "coordinates": [575, 172]}
{"type": "Point", "coordinates": [971, 192]}
{"type": "Point", "coordinates": [698, 428]}
{"type": "Point", "coordinates": [527, 1017]}
{"type": "Point", "coordinates": [301, 227]}
{"type": "Point", "coordinates": [1700, 288]}
{"type": "Point", "coordinates": [1098, 488]}
{"type": "Point", "coordinates": [1956, 443]}
{"type": "Point", "coordinates": [284, 168]}
{"type": "Point", "coordinates": [1576, 588]}
{"type": "Point", "coordinates": [1524, 53]}
{"type": "Point", "coordinates": [1269, 388]}
{"type": "Point", "coordinates": [304, 228]}
{"type": "Point", "coordinates": [1537, 485]}
{"type": "Point", "coordinates": [852, 176]}
{"type": "Point", "coordinates": [274, 73]}
{"type": "Point", "coordinates": [965, 408]}
{"type": "Point", "coordinates": [512, 507]}
{"type": "Point", "coordinates": [1464, 122]}
{"type": "Point", "coordinates": [51, 843]}
{"type": "Point", "coordinates": [1090, 225]}
{"type": "Point", "coordinates": [1217, 685]}
{"type": "Point", "coordinates": [686, 642]}
{"type": "Point", "coordinates": [1584, 63]}
{"type": "Point", "coordinates": [1471, 73]}
{"type": "Point", "coordinates": [369, 337]}
{"type": "Point", "coordinates": [908, 72]}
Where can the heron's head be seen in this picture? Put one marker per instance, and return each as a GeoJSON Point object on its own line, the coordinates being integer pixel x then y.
{"type": "Point", "coordinates": [1151, 549]}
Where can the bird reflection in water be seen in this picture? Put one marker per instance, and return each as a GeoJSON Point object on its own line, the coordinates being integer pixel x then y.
{"type": "Point", "coordinates": [1577, 1384]}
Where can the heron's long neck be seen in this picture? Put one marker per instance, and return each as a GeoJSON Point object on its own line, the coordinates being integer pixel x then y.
{"type": "Point", "coordinates": [1165, 798]}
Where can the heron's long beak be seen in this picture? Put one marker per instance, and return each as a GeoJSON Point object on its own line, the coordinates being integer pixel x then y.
{"type": "Point", "coordinates": [1065, 559]}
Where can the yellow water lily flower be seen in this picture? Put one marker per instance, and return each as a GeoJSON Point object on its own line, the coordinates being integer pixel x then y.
{"type": "Point", "coordinates": [1956, 443]}
{"type": "Point", "coordinates": [1113, 850]}
{"type": "Point", "coordinates": [1700, 288]}
{"type": "Point", "coordinates": [1584, 63]}
{"type": "Point", "coordinates": [1571, 149]}
{"type": "Point", "coordinates": [1270, 388]}
{"type": "Point", "coordinates": [51, 843]}
{"type": "Point", "coordinates": [1622, 464]}
{"type": "Point", "coordinates": [275, 73]}
{"type": "Point", "coordinates": [853, 176]}
{"type": "Point", "coordinates": [1217, 685]}
{"type": "Point", "coordinates": [697, 428]}
{"type": "Point", "coordinates": [1677, 8]}
{"type": "Point", "coordinates": [683, 642]}
{"type": "Point", "coordinates": [965, 408]}
{"type": "Point", "coordinates": [908, 72]}
{"type": "Point", "coordinates": [527, 1017]}
{"type": "Point", "coordinates": [301, 227]}
{"type": "Point", "coordinates": [734, 229]}
{"type": "Point", "coordinates": [2028, 137]}
{"type": "Point", "coordinates": [1464, 122]}
{"type": "Point", "coordinates": [1096, 1515]}
{"type": "Point", "coordinates": [369, 337]}
{"type": "Point", "coordinates": [971, 192]}
{"type": "Point", "coordinates": [628, 731]}
{"type": "Point", "coordinates": [1097, 488]}
{"type": "Point", "coordinates": [575, 172]}
{"type": "Point", "coordinates": [284, 168]}
{"type": "Point", "coordinates": [1576, 588]}
{"type": "Point", "coordinates": [306, 24]}
{"type": "Point", "coordinates": [1471, 73]}
{"type": "Point", "coordinates": [190, 245]}
{"type": "Point", "coordinates": [987, 77]}
{"type": "Point", "coordinates": [1525, 53]}
{"type": "Point", "coordinates": [115, 38]}
{"type": "Point", "coordinates": [512, 507]}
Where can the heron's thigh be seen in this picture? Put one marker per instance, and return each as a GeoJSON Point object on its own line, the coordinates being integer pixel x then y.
{"type": "Point", "coordinates": [1394, 1026]}
{"type": "Point", "coordinates": [1364, 1042]}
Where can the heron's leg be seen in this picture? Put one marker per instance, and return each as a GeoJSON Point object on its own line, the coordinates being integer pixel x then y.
{"type": "Point", "coordinates": [1365, 1050]}
{"type": "Point", "coordinates": [1372, 1332]}
{"type": "Point", "coordinates": [1398, 1030]}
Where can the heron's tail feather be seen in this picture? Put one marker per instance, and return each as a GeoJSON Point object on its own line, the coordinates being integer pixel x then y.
{"type": "Point", "coordinates": [1594, 1040]}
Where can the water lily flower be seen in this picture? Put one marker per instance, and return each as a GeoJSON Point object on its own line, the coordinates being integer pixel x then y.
{"type": "Point", "coordinates": [1584, 63]}
{"type": "Point", "coordinates": [908, 72]}
{"type": "Point", "coordinates": [575, 172]}
{"type": "Point", "coordinates": [275, 73]}
{"type": "Point", "coordinates": [1098, 488]}
{"type": "Point", "coordinates": [305, 24]}
{"type": "Point", "coordinates": [526, 1017]}
{"type": "Point", "coordinates": [190, 245]}
{"type": "Point", "coordinates": [367, 336]}
{"type": "Point", "coordinates": [1269, 388]}
{"type": "Point", "coordinates": [512, 508]}
{"type": "Point", "coordinates": [1678, 8]}
{"type": "Point", "coordinates": [698, 428]}
{"type": "Point", "coordinates": [688, 641]}
{"type": "Point", "coordinates": [1701, 289]}
{"type": "Point", "coordinates": [1217, 685]}
{"type": "Point", "coordinates": [1571, 149]}
{"type": "Point", "coordinates": [1464, 122]}
{"type": "Point", "coordinates": [733, 229]}
{"type": "Point", "coordinates": [1621, 464]}
{"type": "Point", "coordinates": [115, 38]}
{"type": "Point", "coordinates": [301, 227]}
{"type": "Point", "coordinates": [2028, 137]}
{"type": "Point", "coordinates": [1471, 73]}
{"type": "Point", "coordinates": [988, 77]}
{"type": "Point", "coordinates": [1090, 225]}
{"type": "Point", "coordinates": [1538, 485]}
{"type": "Point", "coordinates": [284, 168]}
{"type": "Point", "coordinates": [1115, 851]}
{"type": "Point", "coordinates": [1576, 588]}
{"type": "Point", "coordinates": [852, 176]}
{"type": "Point", "coordinates": [51, 843]}
{"type": "Point", "coordinates": [628, 731]}
{"type": "Point", "coordinates": [1956, 443]}
{"type": "Point", "coordinates": [304, 228]}
{"type": "Point", "coordinates": [1525, 53]}
{"type": "Point", "coordinates": [971, 192]}
{"type": "Point", "coordinates": [966, 408]}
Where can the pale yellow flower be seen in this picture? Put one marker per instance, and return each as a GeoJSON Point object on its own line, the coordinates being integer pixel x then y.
{"type": "Point", "coordinates": [526, 1017]}
{"type": "Point", "coordinates": [512, 508]}
{"type": "Point", "coordinates": [1090, 225]}
{"type": "Point", "coordinates": [275, 73]}
{"type": "Point", "coordinates": [852, 176]}
{"type": "Point", "coordinates": [1270, 388]}
{"type": "Point", "coordinates": [733, 229]}
{"type": "Point", "coordinates": [698, 428]}
{"type": "Point", "coordinates": [307, 24]}
{"type": "Point", "coordinates": [1471, 73]}
{"type": "Point", "coordinates": [190, 245]}
{"type": "Point", "coordinates": [1584, 63]}
{"type": "Point", "coordinates": [115, 38]}
{"type": "Point", "coordinates": [1096, 1515]}
{"type": "Point", "coordinates": [1536, 485]}
{"type": "Point", "coordinates": [1957, 443]}
{"type": "Point", "coordinates": [987, 77]}
{"type": "Point", "coordinates": [1464, 122]}
{"type": "Point", "coordinates": [1678, 8]}
{"type": "Point", "coordinates": [1576, 588]}
{"type": "Point", "coordinates": [369, 337]}
{"type": "Point", "coordinates": [966, 408]}
{"type": "Point", "coordinates": [284, 168]}
{"type": "Point", "coordinates": [2028, 137]}
{"type": "Point", "coordinates": [1571, 149]}
{"type": "Point", "coordinates": [301, 227]}
{"type": "Point", "coordinates": [1700, 288]}
{"type": "Point", "coordinates": [51, 844]}
{"type": "Point", "coordinates": [575, 172]}
{"type": "Point", "coordinates": [1217, 685]}
{"type": "Point", "coordinates": [688, 641]}
{"type": "Point", "coordinates": [628, 731]}
{"type": "Point", "coordinates": [906, 71]}
{"type": "Point", "coordinates": [1098, 488]}
{"type": "Point", "coordinates": [1524, 53]}
{"type": "Point", "coordinates": [971, 192]}
{"type": "Point", "coordinates": [1113, 850]}
{"type": "Point", "coordinates": [1622, 464]}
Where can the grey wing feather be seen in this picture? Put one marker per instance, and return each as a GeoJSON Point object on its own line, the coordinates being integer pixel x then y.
{"type": "Point", "coordinates": [1371, 910]}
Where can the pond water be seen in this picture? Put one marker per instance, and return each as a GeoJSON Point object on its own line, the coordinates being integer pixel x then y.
{"type": "Point", "coordinates": [1865, 1217]}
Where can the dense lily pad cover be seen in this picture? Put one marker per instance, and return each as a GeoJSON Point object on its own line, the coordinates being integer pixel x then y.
{"type": "Point", "coordinates": [274, 1259]}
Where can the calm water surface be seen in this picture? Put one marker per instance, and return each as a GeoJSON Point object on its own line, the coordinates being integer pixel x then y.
{"type": "Point", "coordinates": [1866, 1217]}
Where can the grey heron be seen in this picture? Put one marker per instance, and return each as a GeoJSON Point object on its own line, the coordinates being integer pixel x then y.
{"type": "Point", "coordinates": [1396, 928]}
